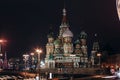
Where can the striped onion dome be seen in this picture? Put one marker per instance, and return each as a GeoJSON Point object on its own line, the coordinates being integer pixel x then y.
{"type": "Point", "coordinates": [67, 33]}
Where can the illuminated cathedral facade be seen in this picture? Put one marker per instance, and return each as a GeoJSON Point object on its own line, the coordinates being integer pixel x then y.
{"type": "Point", "coordinates": [63, 52]}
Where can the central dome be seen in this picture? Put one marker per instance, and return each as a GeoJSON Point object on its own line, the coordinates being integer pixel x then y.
{"type": "Point", "coordinates": [67, 33]}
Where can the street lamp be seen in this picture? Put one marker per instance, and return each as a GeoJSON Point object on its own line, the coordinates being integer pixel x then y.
{"type": "Point", "coordinates": [39, 51]}
{"type": "Point", "coordinates": [1, 60]}
{"type": "Point", "coordinates": [1, 42]}
{"type": "Point", "coordinates": [32, 59]}
{"type": "Point", "coordinates": [99, 56]}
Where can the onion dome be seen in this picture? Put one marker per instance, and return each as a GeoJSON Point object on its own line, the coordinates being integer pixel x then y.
{"type": "Point", "coordinates": [50, 35]}
{"type": "Point", "coordinates": [57, 42]}
{"type": "Point", "coordinates": [83, 35]}
{"type": "Point", "coordinates": [67, 33]}
{"type": "Point", "coordinates": [77, 41]}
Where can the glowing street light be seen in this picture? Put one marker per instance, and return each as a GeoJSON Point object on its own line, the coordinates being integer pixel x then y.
{"type": "Point", "coordinates": [1, 42]}
{"type": "Point", "coordinates": [39, 51]}
{"type": "Point", "coordinates": [32, 59]}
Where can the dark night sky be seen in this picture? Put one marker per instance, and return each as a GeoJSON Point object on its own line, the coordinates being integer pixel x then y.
{"type": "Point", "coordinates": [25, 23]}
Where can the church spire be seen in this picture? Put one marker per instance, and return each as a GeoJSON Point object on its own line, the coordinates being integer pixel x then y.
{"type": "Point", "coordinates": [64, 24]}
{"type": "Point", "coordinates": [96, 43]}
{"type": "Point", "coordinates": [64, 20]}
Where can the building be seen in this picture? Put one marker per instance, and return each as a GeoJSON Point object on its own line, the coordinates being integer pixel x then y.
{"type": "Point", "coordinates": [95, 53]}
{"type": "Point", "coordinates": [63, 52]}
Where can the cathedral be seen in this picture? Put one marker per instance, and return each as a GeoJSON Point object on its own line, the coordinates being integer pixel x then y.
{"type": "Point", "coordinates": [63, 52]}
